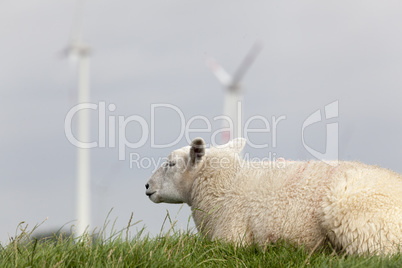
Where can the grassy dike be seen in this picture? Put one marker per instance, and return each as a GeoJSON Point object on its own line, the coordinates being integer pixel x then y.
{"type": "Point", "coordinates": [170, 249]}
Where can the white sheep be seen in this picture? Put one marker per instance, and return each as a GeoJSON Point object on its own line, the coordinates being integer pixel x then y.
{"type": "Point", "coordinates": [355, 207]}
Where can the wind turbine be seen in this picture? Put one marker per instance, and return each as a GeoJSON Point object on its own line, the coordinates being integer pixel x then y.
{"type": "Point", "coordinates": [232, 106]}
{"type": "Point", "coordinates": [80, 53]}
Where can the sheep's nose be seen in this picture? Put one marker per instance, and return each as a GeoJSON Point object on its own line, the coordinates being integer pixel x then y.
{"type": "Point", "coordinates": [147, 186]}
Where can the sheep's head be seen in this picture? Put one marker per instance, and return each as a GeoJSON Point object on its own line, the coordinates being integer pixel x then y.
{"type": "Point", "coordinates": [172, 182]}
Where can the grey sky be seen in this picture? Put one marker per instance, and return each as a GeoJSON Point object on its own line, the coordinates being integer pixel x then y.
{"type": "Point", "coordinates": [147, 52]}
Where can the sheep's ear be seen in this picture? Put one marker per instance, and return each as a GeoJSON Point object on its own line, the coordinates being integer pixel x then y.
{"type": "Point", "coordinates": [236, 145]}
{"type": "Point", "coordinates": [197, 150]}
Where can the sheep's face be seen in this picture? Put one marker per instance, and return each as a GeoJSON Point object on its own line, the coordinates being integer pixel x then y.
{"type": "Point", "coordinates": [172, 182]}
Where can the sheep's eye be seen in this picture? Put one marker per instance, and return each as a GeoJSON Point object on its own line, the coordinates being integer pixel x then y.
{"type": "Point", "coordinates": [171, 164]}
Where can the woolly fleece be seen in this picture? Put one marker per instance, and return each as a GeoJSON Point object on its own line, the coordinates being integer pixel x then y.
{"type": "Point", "coordinates": [355, 207]}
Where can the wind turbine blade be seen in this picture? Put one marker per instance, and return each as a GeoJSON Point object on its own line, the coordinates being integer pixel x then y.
{"type": "Point", "coordinates": [247, 61]}
{"type": "Point", "coordinates": [219, 72]}
{"type": "Point", "coordinates": [76, 48]}
{"type": "Point", "coordinates": [76, 29]}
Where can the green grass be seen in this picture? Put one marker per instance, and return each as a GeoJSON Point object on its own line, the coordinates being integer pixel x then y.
{"type": "Point", "coordinates": [172, 249]}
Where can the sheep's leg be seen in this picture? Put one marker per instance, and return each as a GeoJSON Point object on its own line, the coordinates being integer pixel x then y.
{"type": "Point", "coordinates": [233, 231]}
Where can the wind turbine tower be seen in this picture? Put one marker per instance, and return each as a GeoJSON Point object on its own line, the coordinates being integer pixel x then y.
{"type": "Point", "coordinates": [80, 53]}
{"type": "Point", "coordinates": [232, 106]}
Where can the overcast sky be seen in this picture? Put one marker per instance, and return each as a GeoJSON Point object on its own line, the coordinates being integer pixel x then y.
{"type": "Point", "coordinates": [152, 52]}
